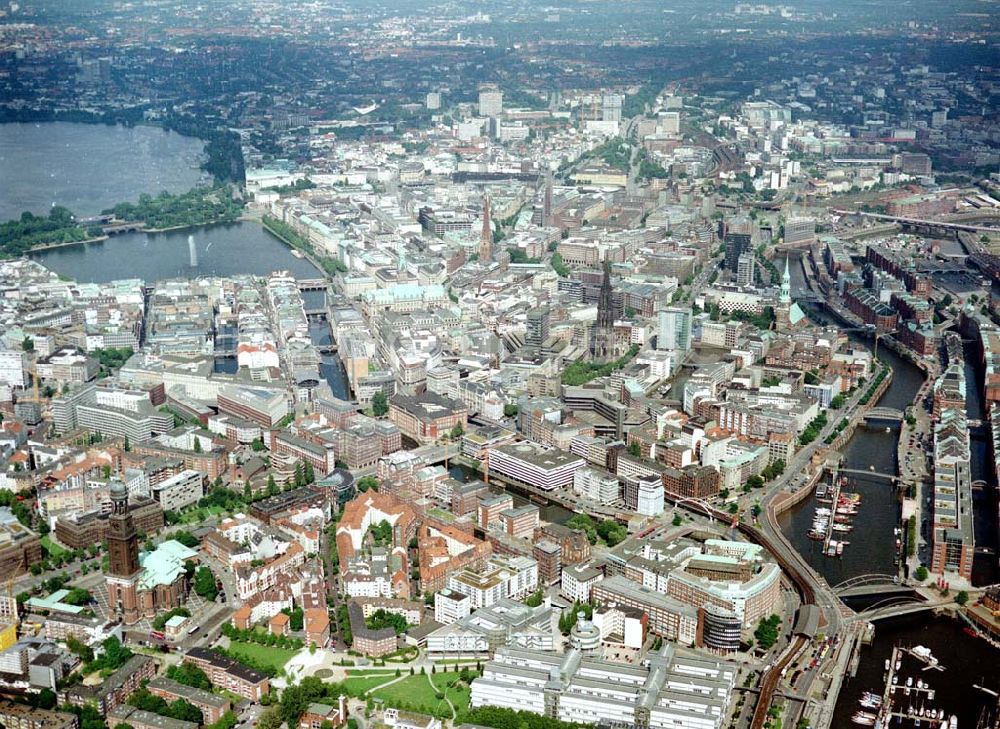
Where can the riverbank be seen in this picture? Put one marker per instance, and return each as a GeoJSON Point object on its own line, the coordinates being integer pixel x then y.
{"type": "Point", "coordinates": [283, 232]}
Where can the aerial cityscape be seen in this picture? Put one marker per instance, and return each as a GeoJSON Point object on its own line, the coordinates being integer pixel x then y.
{"type": "Point", "coordinates": [493, 364]}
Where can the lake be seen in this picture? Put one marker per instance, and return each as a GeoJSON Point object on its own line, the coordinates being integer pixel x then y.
{"type": "Point", "coordinates": [90, 167]}
{"type": "Point", "coordinates": [219, 250]}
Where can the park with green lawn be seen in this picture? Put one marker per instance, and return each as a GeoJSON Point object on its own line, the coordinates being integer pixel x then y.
{"type": "Point", "coordinates": [263, 655]}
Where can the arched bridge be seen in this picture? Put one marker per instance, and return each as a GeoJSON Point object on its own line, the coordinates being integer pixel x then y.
{"type": "Point", "coordinates": [870, 584]}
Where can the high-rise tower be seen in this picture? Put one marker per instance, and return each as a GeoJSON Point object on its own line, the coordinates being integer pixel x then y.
{"type": "Point", "coordinates": [486, 236]}
{"type": "Point", "coordinates": [604, 331]}
{"type": "Point", "coordinates": [123, 557]}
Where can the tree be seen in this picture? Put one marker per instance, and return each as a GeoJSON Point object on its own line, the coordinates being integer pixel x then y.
{"type": "Point", "coordinates": [634, 449]}
{"type": "Point", "coordinates": [247, 491]}
{"type": "Point", "coordinates": [510, 410]}
{"type": "Point", "coordinates": [204, 583]}
{"type": "Point", "coordinates": [270, 719]}
{"type": "Point", "coordinates": [367, 483]}
{"type": "Point", "coordinates": [272, 487]}
{"type": "Point", "coordinates": [28, 344]}
{"type": "Point", "coordinates": [47, 699]}
{"type": "Point", "coordinates": [197, 445]}
{"type": "Point", "coordinates": [307, 472]}
{"type": "Point", "coordinates": [127, 446]}
{"type": "Point", "coordinates": [380, 405]}
{"type": "Point", "coordinates": [677, 520]}
{"type": "Point", "coordinates": [920, 574]}
{"type": "Point", "coordinates": [457, 432]}
{"type": "Point", "coordinates": [962, 597]}
{"type": "Point", "coordinates": [299, 478]}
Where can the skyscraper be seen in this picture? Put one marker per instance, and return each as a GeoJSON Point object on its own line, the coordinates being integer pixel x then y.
{"type": "Point", "coordinates": [736, 245]}
{"type": "Point", "coordinates": [538, 327]}
{"type": "Point", "coordinates": [486, 235]}
{"type": "Point", "coordinates": [490, 101]}
{"type": "Point", "coordinates": [123, 557]}
{"type": "Point", "coordinates": [745, 269]}
{"type": "Point", "coordinates": [604, 330]}
{"type": "Point", "coordinates": [674, 329]}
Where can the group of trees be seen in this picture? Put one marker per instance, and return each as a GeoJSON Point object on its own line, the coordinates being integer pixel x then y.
{"type": "Point", "coordinates": [197, 206]}
{"type": "Point", "coordinates": [263, 637]}
{"type": "Point", "coordinates": [160, 621]}
{"type": "Point", "coordinates": [189, 675]}
{"type": "Point", "coordinates": [767, 632]}
{"type": "Point", "coordinates": [608, 531]}
{"type": "Point", "coordinates": [115, 656]}
{"type": "Point", "coordinates": [382, 618]}
{"type": "Point", "coordinates": [18, 236]}
{"type": "Point", "coordinates": [497, 718]}
{"type": "Point", "coordinates": [204, 584]}
{"type": "Point", "coordinates": [581, 371]}
{"type": "Point", "coordinates": [176, 709]}
{"type": "Point", "coordinates": [812, 430]}
{"type": "Point", "coordinates": [561, 269]}
{"type": "Point", "coordinates": [292, 237]}
{"type": "Point", "coordinates": [112, 358]}
{"type": "Point", "coordinates": [380, 405]}
{"type": "Point", "coordinates": [614, 153]}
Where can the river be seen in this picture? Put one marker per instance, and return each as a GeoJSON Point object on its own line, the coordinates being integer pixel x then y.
{"type": "Point", "coordinates": [90, 167]}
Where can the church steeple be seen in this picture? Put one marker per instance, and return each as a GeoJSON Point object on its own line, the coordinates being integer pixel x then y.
{"type": "Point", "coordinates": [486, 236]}
{"type": "Point", "coordinates": [786, 285]}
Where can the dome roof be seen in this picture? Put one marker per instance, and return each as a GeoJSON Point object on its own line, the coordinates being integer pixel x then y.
{"type": "Point", "coordinates": [119, 491]}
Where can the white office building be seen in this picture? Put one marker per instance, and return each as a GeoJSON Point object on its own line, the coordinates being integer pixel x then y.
{"type": "Point", "coordinates": [674, 329]}
{"type": "Point", "coordinates": [502, 577]}
{"type": "Point", "coordinates": [650, 496]}
{"type": "Point", "coordinates": [599, 486]}
{"type": "Point", "coordinates": [577, 581]}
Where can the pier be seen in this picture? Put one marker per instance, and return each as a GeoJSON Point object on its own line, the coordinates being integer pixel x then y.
{"type": "Point", "coordinates": [911, 702]}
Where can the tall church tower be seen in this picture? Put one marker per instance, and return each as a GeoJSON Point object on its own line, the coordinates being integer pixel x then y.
{"type": "Point", "coordinates": [786, 285]}
{"type": "Point", "coordinates": [604, 331]}
{"type": "Point", "coordinates": [123, 557]}
{"type": "Point", "coordinates": [486, 236]}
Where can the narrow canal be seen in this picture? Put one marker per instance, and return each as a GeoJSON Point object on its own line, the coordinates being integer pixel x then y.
{"type": "Point", "coordinates": [872, 543]}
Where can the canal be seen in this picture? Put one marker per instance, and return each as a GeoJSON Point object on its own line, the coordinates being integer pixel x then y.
{"type": "Point", "coordinates": [552, 513]}
{"type": "Point", "coordinates": [872, 542]}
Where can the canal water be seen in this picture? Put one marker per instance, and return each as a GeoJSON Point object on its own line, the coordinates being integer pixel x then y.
{"type": "Point", "coordinates": [91, 167]}
{"type": "Point", "coordinates": [553, 513]}
{"type": "Point", "coordinates": [219, 250]}
{"type": "Point", "coordinates": [872, 543]}
{"type": "Point", "coordinates": [968, 661]}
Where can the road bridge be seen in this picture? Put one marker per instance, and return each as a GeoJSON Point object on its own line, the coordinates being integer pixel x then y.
{"type": "Point", "coordinates": [887, 414]}
{"type": "Point", "coordinates": [921, 223]}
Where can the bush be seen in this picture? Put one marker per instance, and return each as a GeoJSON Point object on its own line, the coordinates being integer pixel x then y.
{"type": "Point", "coordinates": [920, 574]}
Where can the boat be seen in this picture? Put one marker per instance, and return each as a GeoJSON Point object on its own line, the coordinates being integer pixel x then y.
{"type": "Point", "coordinates": [895, 680]}
{"type": "Point", "coordinates": [909, 681]}
{"type": "Point", "coordinates": [887, 664]}
{"type": "Point", "coordinates": [898, 664]}
{"type": "Point", "coordinates": [840, 548]}
{"type": "Point", "coordinates": [864, 718]}
{"type": "Point", "coordinates": [953, 722]}
{"type": "Point", "coordinates": [297, 253]}
{"type": "Point", "coordinates": [924, 654]}
{"type": "Point", "coordinates": [970, 631]}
